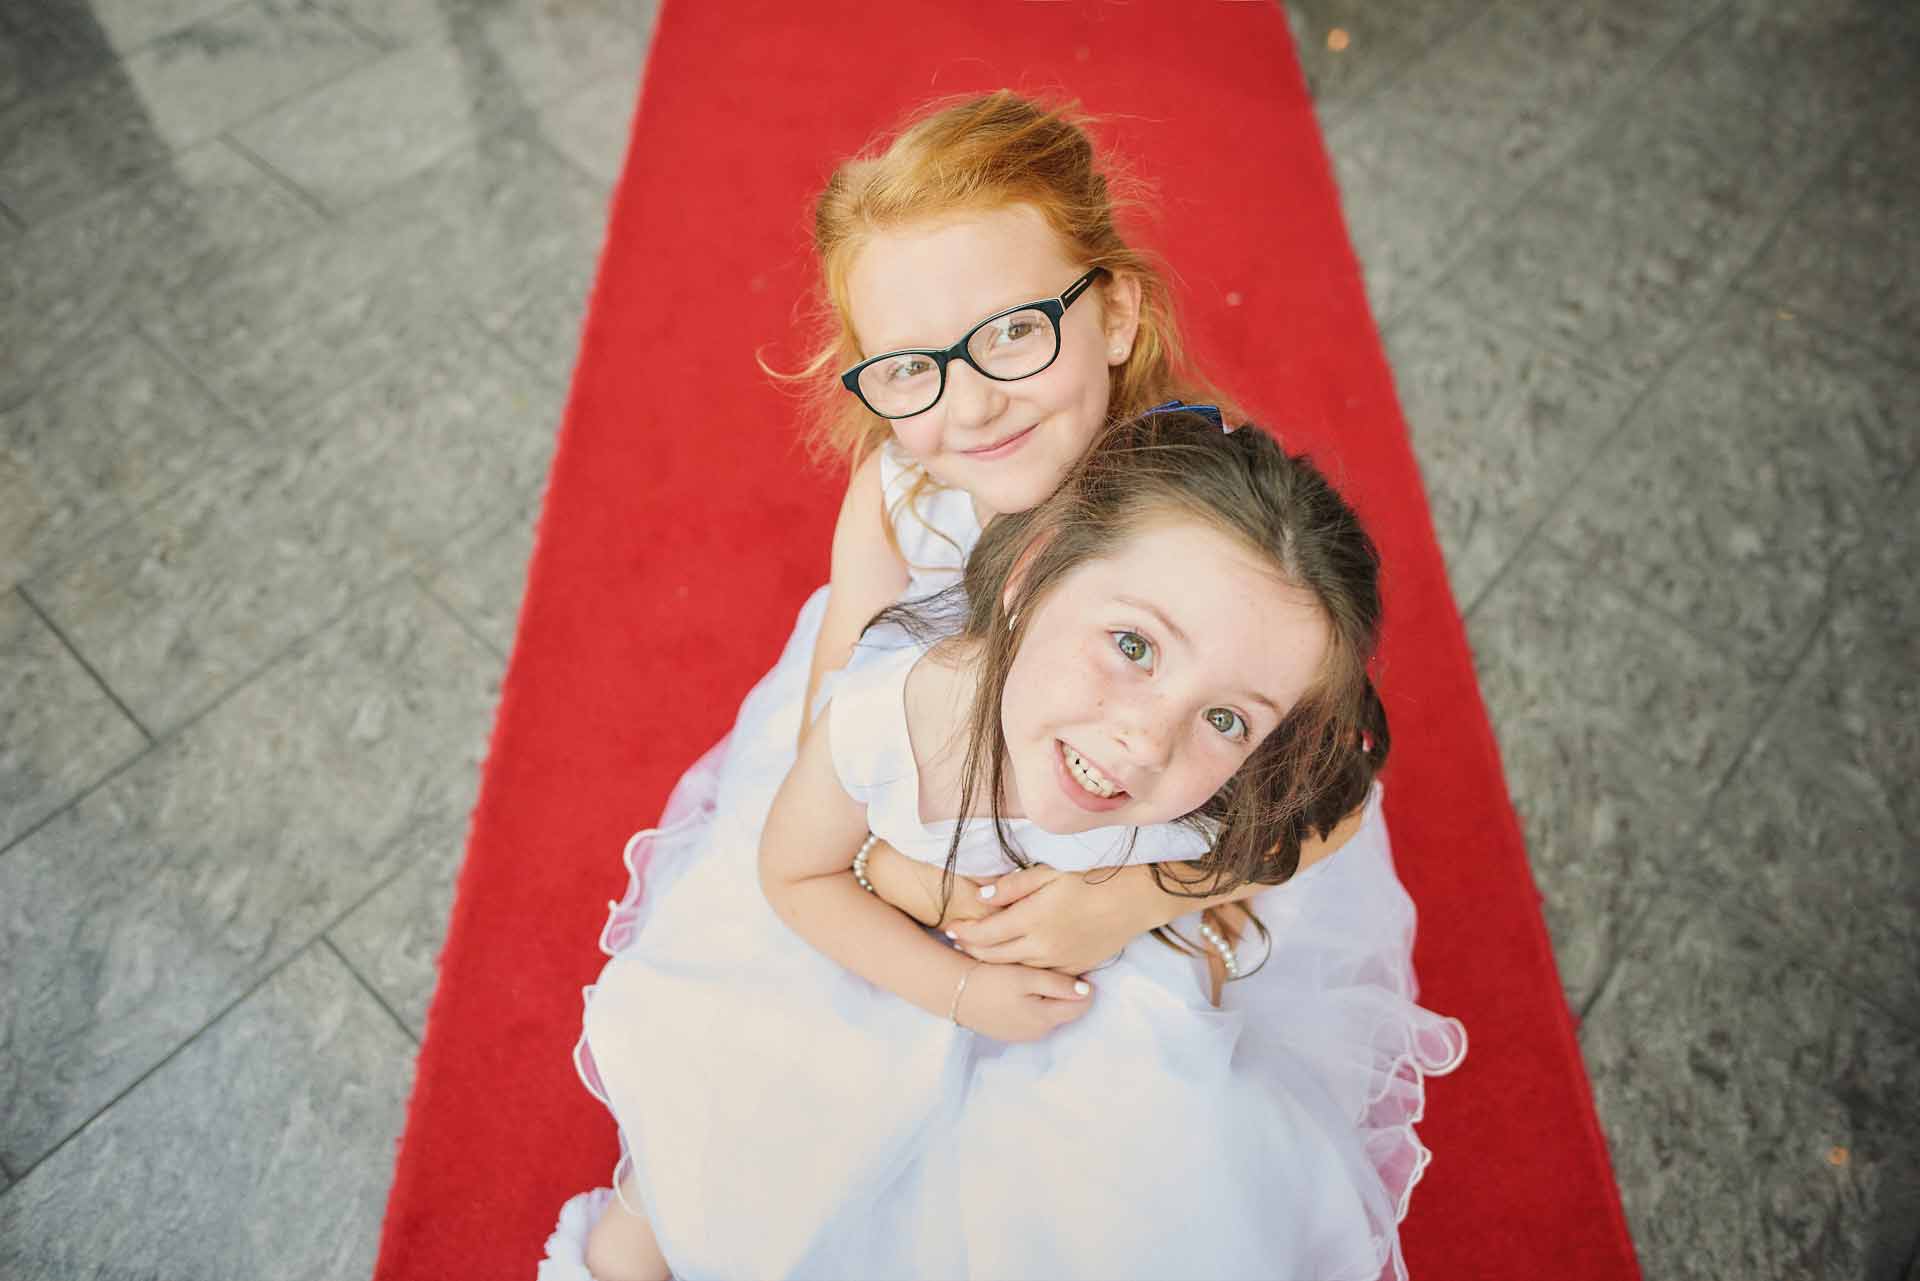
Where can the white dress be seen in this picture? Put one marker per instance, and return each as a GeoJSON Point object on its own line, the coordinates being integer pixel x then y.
{"type": "Point", "coordinates": [783, 1118]}
{"type": "Point", "coordinates": [935, 528]}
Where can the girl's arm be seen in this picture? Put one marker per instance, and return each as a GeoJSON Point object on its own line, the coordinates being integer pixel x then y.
{"type": "Point", "coordinates": [806, 858]}
{"type": "Point", "coordinates": [915, 888]}
{"type": "Point", "coordinates": [1071, 923]}
{"type": "Point", "coordinates": [868, 574]}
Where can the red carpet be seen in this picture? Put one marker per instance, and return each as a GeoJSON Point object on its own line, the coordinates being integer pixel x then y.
{"type": "Point", "coordinates": [681, 531]}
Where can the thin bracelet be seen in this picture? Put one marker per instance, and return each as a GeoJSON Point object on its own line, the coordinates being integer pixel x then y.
{"type": "Point", "coordinates": [953, 1015]}
{"type": "Point", "coordinates": [860, 864]}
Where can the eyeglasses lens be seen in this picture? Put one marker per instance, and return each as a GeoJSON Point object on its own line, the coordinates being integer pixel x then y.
{"type": "Point", "coordinates": [1013, 346]}
{"type": "Point", "coordinates": [1008, 347]}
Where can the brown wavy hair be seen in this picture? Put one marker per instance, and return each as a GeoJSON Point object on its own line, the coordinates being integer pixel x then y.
{"type": "Point", "coordinates": [974, 155]}
{"type": "Point", "coordinates": [1312, 770]}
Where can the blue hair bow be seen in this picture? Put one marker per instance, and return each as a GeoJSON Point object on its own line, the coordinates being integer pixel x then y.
{"type": "Point", "coordinates": [1209, 412]}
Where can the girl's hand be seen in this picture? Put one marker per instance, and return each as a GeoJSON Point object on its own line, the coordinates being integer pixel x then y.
{"type": "Point", "coordinates": [1062, 920]}
{"type": "Point", "coordinates": [914, 888]}
{"type": "Point", "coordinates": [1020, 1003]}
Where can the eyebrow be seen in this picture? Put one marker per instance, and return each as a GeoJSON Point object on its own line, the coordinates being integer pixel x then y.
{"type": "Point", "coordinates": [1173, 628]}
{"type": "Point", "coordinates": [1158, 617]}
{"type": "Point", "coordinates": [981, 320]}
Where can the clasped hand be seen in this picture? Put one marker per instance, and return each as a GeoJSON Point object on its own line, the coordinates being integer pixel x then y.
{"type": "Point", "coordinates": [1037, 916]}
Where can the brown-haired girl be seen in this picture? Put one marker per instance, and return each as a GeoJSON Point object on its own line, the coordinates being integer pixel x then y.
{"type": "Point", "coordinates": [812, 1085]}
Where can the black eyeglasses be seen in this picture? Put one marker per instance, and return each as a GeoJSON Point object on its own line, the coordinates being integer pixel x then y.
{"type": "Point", "coordinates": [1006, 347]}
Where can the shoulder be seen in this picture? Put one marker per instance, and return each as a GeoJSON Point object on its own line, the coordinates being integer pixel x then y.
{"type": "Point", "coordinates": [860, 535]}
{"type": "Point", "coordinates": [866, 722]}
{"type": "Point", "coordinates": [864, 508]}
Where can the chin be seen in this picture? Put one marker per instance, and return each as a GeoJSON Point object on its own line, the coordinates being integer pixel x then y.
{"type": "Point", "coordinates": [1012, 498]}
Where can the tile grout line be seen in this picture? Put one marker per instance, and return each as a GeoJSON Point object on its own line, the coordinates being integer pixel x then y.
{"type": "Point", "coordinates": [146, 172]}
{"type": "Point", "coordinates": [43, 616]}
{"type": "Point", "coordinates": [1901, 360]}
{"type": "Point", "coordinates": [158, 37]}
{"type": "Point", "coordinates": [1658, 379]}
{"type": "Point", "coordinates": [375, 51]}
{"type": "Point", "coordinates": [1605, 985]}
{"type": "Point", "coordinates": [1770, 711]}
{"type": "Point", "coordinates": [1768, 672]}
{"type": "Point", "coordinates": [1802, 950]}
{"type": "Point", "coordinates": [326, 941]}
{"type": "Point", "coordinates": [137, 326]}
{"type": "Point", "coordinates": [241, 683]}
{"type": "Point", "coordinates": [318, 935]}
{"type": "Point", "coordinates": [118, 57]}
{"type": "Point", "coordinates": [1576, 359]}
{"type": "Point", "coordinates": [247, 678]}
{"type": "Point", "coordinates": [81, 796]}
{"type": "Point", "coordinates": [537, 136]}
{"type": "Point", "coordinates": [1628, 422]}
{"type": "Point", "coordinates": [172, 148]}
{"type": "Point", "coordinates": [274, 175]}
{"type": "Point", "coordinates": [499, 342]}
{"type": "Point", "coordinates": [256, 449]}
{"type": "Point", "coordinates": [1500, 213]}
{"type": "Point", "coordinates": [167, 1058]}
{"type": "Point", "coordinates": [459, 619]}
{"type": "Point", "coordinates": [367, 34]}
{"type": "Point", "coordinates": [1798, 949]}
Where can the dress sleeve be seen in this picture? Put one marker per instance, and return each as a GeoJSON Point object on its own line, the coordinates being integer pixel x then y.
{"type": "Point", "coordinates": [863, 720]}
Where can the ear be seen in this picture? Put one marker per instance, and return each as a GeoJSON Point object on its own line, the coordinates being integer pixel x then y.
{"type": "Point", "coordinates": [1121, 298]}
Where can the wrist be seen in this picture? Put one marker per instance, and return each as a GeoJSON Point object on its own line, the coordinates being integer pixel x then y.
{"type": "Point", "coordinates": [959, 991]}
{"type": "Point", "coordinates": [1154, 906]}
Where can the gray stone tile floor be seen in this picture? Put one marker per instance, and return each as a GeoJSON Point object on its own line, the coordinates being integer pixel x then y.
{"type": "Point", "coordinates": [289, 293]}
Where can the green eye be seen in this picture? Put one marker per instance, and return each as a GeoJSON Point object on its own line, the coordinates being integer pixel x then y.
{"type": "Point", "coordinates": [1135, 648]}
{"type": "Point", "coordinates": [1227, 721]}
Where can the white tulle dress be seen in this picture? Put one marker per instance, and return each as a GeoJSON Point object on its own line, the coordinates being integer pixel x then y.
{"type": "Point", "coordinates": [782, 1117]}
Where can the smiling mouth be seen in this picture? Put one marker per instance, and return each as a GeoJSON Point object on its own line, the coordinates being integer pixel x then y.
{"type": "Point", "coordinates": [1001, 446]}
{"type": "Point", "coordinates": [1085, 782]}
{"type": "Point", "coordinates": [1085, 774]}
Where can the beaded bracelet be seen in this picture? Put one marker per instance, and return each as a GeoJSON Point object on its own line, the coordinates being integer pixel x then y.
{"type": "Point", "coordinates": [860, 864]}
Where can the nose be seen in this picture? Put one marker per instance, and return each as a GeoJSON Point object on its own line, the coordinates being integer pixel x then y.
{"type": "Point", "coordinates": [971, 399]}
{"type": "Point", "coordinates": [1144, 729]}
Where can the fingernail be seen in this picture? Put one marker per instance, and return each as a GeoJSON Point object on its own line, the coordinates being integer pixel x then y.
{"type": "Point", "coordinates": [1080, 987]}
{"type": "Point", "coordinates": [988, 891]}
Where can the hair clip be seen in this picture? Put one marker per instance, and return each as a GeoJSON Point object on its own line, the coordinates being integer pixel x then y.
{"type": "Point", "coordinates": [1209, 412]}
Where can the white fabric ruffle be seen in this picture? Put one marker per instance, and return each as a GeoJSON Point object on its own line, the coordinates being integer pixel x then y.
{"type": "Point", "coordinates": [566, 1257]}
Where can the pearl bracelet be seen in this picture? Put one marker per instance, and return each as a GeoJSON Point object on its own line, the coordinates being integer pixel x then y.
{"type": "Point", "coordinates": [860, 864]}
{"type": "Point", "coordinates": [1218, 942]}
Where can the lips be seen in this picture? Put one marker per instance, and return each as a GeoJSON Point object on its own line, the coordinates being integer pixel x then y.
{"type": "Point", "coordinates": [1000, 448]}
{"type": "Point", "coordinates": [1069, 768]}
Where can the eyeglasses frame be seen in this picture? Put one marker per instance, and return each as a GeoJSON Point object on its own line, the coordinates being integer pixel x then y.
{"type": "Point", "coordinates": [1055, 310]}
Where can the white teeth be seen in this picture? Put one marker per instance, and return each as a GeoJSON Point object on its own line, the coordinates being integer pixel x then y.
{"type": "Point", "coordinates": [1086, 775]}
